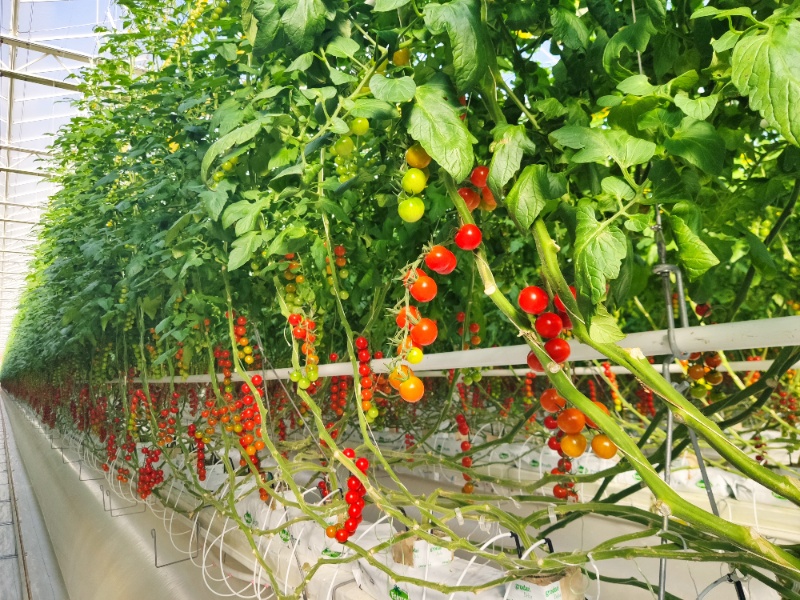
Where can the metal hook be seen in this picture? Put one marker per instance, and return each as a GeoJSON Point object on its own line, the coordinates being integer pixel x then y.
{"type": "Point", "coordinates": [154, 535]}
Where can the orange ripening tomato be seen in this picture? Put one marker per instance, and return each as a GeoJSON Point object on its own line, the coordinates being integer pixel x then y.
{"type": "Point", "coordinates": [552, 401]}
{"type": "Point", "coordinates": [399, 375]}
{"type": "Point", "coordinates": [412, 389]}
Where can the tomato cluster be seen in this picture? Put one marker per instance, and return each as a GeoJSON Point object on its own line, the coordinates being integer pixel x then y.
{"type": "Point", "coordinates": [415, 180]}
{"type": "Point", "coordinates": [612, 382]}
{"type": "Point", "coordinates": [569, 441]}
{"type": "Point", "coordinates": [367, 382]}
{"type": "Point", "coordinates": [303, 330]}
{"type": "Point", "coordinates": [533, 300]}
{"type": "Point", "coordinates": [149, 476]}
{"type": "Point", "coordinates": [483, 197]}
{"type": "Point", "coordinates": [355, 501]}
{"type": "Point", "coordinates": [466, 445]}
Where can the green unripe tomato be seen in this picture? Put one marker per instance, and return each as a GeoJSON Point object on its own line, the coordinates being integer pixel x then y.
{"type": "Point", "coordinates": [345, 146]}
{"type": "Point", "coordinates": [411, 209]}
{"type": "Point", "coordinates": [311, 375]}
{"type": "Point", "coordinates": [414, 181]}
{"type": "Point", "coordinates": [477, 377]}
{"type": "Point", "coordinates": [467, 380]}
{"type": "Point", "coordinates": [344, 294]}
{"type": "Point", "coordinates": [304, 383]}
{"type": "Point", "coordinates": [373, 413]}
{"type": "Point", "coordinates": [218, 176]}
{"type": "Point", "coordinates": [359, 126]}
{"type": "Point", "coordinates": [295, 376]}
{"type": "Point", "coordinates": [344, 273]}
{"type": "Point", "coordinates": [698, 391]}
{"type": "Point", "coordinates": [227, 166]}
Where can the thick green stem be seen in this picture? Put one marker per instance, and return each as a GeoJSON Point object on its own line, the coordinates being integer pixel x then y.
{"type": "Point", "coordinates": [633, 360]}
{"type": "Point", "coordinates": [670, 503]}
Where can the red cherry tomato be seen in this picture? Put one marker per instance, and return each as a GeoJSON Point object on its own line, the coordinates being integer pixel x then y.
{"type": "Point", "coordinates": [469, 237]}
{"type": "Point", "coordinates": [361, 343]}
{"type": "Point", "coordinates": [548, 325]}
{"type": "Point", "coordinates": [424, 332]}
{"type": "Point", "coordinates": [441, 260]}
{"type": "Point", "coordinates": [471, 198]}
{"type": "Point", "coordinates": [488, 203]}
{"type": "Point", "coordinates": [423, 289]}
{"type": "Point", "coordinates": [533, 300]}
{"type": "Point", "coordinates": [342, 535]}
{"type": "Point", "coordinates": [602, 407]}
{"type": "Point", "coordinates": [295, 319]}
{"type": "Point", "coordinates": [407, 314]}
{"type": "Point", "coordinates": [558, 349]}
{"type": "Point", "coordinates": [534, 363]}
{"type": "Point", "coordinates": [560, 491]}
{"type": "Point", "coordinates": [560, 305]}
{"type": "Point", "coordinates": [479, 176]}
{"type": "Point", "coordinates": [349, 453]}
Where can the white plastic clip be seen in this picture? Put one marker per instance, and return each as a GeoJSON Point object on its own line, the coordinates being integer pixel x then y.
{"type": "Point", "coordinates": [459, 516]}
{"type": "Point", "coordinates": [551, 512]}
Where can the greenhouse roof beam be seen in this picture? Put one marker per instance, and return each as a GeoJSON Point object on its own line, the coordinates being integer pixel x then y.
{"type": "Point", "coordinates": [25, 150]}
{"type": "Point", "coordinates": [11, 40]}
{"type": "Point", "coordinates": [11, 74]}
{"type": "Point", "coordinates": [23, 172]}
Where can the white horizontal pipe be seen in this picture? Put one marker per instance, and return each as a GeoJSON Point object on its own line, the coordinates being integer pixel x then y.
{"type": "Point", "coordinates": [764, 333]}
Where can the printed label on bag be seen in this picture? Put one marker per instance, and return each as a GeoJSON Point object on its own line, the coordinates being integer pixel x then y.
{"type": "Point", "coordinates": [284, 535]}
{"type": "Point", "coordinates": [331, 553]}
{"type": "Point", "coordinates": [398, 594]}
{"type": "Point", "coordinates": [524, 590]}
{"type": "Point", "coordinates": [534, 463]}
{"type": "Point", "coordinates": [248, 518]}
{"type": "Point", "coordinates": [504, 455]}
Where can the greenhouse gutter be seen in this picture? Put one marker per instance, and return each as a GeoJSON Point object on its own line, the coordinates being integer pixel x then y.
{"type": "Point", "coordinates": [764, 333]}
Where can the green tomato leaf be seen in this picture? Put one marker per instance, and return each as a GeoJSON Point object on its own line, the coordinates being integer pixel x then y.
{"type": "Point", "coordinates": [699, 108]}
{"type": "Point", "coordinates": [617, 188]}
{"type": "Point", "coordinates": [392, 90]}
{"type": "Point", "coordinates": [370, 108]}
{"type": "Point", "coordinates": [214, 200]}
{"type": "Point", "coordinates": [435, 123]}
{"type": "Point", "coordinates": [699, 144]}
{"type": "Point", "coordinates": [603, 327]}
{"type": "Point", "coordinates": [569, 29]}
{"type": "Point", "coordinates": [343, 47]}
{"type": "Point", "coordinates": [604, 13]}
{"type": "Point", "coordinates": [510, 143]}
{"type": "Point", "coordinates": [598, 145]}
{"type": "Point", "coordinates": [302, 22]}
{"type": "Point", "coordinates": [599, 250]}
{"type": "Point", "coordinates": [766, 68]}
{"type": "Point", "coordinates": [695, 256]}
{"type": "Point", "coordinates": [243, 249]}
{"type": "Point", "coordinates": [534, 187]}
{"type": "Point", "coordinates": [551, 108]}
{"type": "Point", "coordinates": [461, 20]}
{"type": "Point", "coordinates": [621, 49]}
{"type": "Point", "coordinates": [636, 85]}
{"type": "Point", "coordinates": [226, 142]}
{"type": "Point", "coordinates": [386, 5]}
{"type": "Point", "coordinates": [759, 255]}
